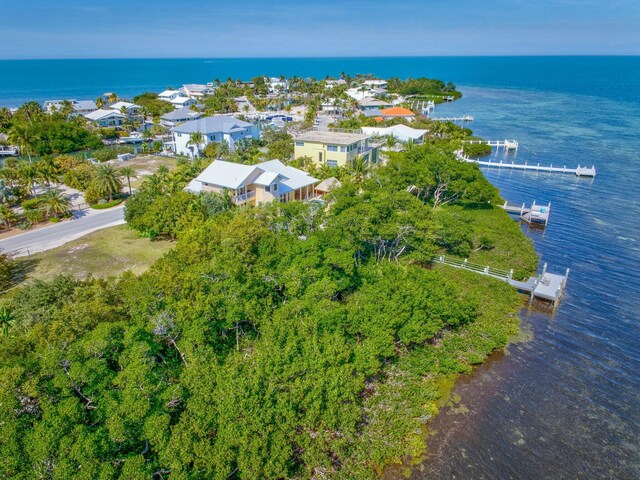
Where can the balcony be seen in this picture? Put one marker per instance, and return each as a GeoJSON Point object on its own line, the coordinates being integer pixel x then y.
{"type": "Point", "coordinates": [244, 198]}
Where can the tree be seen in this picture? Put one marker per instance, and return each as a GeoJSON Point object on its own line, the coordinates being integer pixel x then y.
{"type": "Point", "coordinates": [23, 137]}
{"type": "Point", "coordinates": [56, 203]}
{"type": "Point", "coordinates": [113, 98]}
{"type": "Point", "coordinates": [107, 181]}
{"type": "Point", "coordinates": [195, 140]}
{"type": "Point", "coordinates": [128, 172]}
{"type": "Point", "coordinates": [99, 102]}
{"type": "Point", "coordinates": [7, 216]}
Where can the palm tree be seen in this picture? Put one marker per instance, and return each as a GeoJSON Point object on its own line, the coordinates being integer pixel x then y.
{"type": "Point", "coordinates": [7, 216]}
{"type": "Point", "coordinates": [22, 136]}
{"type": "Point", "coordinates": [6, 319]}
{"type": "Point", "coordinates": [128, 172]}
{"type": "Point", "coordinates": [222, 149]}
{"type": "Point", "coordinates": [28, 176]}
{"type": "Point", "coordinates": [358, 169]}
{"type": "Point", "coordinates": [195, 139]}
{"type": "Point", "coordinates": [99, 102]}
{"type": "Point", "coordinates": [108, 181]}
{"type": "Point", "coordinates": [147, 134]}
{"type": "Point", "coordinates": [113, 98]}
{"type": "Point", "coordinates": [46, 173]}
{"type": "Point", "coordinates": [56, 203]}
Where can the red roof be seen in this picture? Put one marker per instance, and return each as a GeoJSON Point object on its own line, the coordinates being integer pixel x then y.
{"type": "Point", "coordinates": [397, 112]}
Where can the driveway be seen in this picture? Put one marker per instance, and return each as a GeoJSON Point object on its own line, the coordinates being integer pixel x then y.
{"type": "Point", "coordinates": [83, 222]}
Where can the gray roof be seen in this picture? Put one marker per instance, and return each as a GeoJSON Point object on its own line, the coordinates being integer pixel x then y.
{"type": "Point", "coordinates": [180, 114]}
{"type": "Point", "coordinates": [374, 112]}
{"type": "Point", "coordinates": [373, 102]}
{"type": "Point", "coordinates": [84, 105]}
{"type": "Point", "coordinates": [335, 138]}
{"type": "Point", "coordinates": [215, 124]}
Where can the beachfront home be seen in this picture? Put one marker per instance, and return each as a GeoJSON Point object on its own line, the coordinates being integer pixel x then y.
{"type": "Point", "coordinates": [169, 95]}
{"type": "Point", "coordinates": [255, 184]}
{"type": "Point", "coordinates": [397, 112]}
{"type": "Point", "coordinates": [183, 102]}
{"type": "Point", "coordinates": [277, 85]}
{"type": "Point", "coordinates": [402, 133]}
{"type": "Point", "coordinates": [106, 118]}
{"type": "Point", "coordinates": [335, 149]}
{"type": "Point", "coordinates": [197, 90]}
{"type": "Point", "coordinates": [371, 103]}
{"type": "Point", "coordinates": [131, 110]}
{"type": "Point", "coordinates": [80, 107]}
{"type": "Point", "coordinates": [179, 116]}
{"type": "Point", "coordinates": [376, 83]}
{"type": "Point", "coordinates": [218, 128]}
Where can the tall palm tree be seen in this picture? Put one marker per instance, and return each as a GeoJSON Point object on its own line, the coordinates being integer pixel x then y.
{"type": "Point", "coordinates": [28, 176]}
{"type": "Point", "coordinates": [56, 203]}
{"type": "Point", "coordinates": [46, 173]}
{"type": "Point", "coordinates": [99, 102]}
{"type": "Point", "coordinates": [147, 134]}
{"type": "Point", "coordinates": [113, 98]}
{"type": "Point", "coordinates": [22, 136]}
{"type": "Point", "coordinates": [195, 139]}
{"type": "Point", "coordinates": [108, 181]}
{"type": "Point", "coordinates": [128, 172]}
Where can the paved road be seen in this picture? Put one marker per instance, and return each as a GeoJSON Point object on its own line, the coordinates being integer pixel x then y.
{"type": "Point", "coordinates": [50, 237]}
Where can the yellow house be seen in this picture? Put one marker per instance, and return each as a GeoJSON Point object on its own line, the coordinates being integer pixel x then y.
{"type": "Point", "coordinates": [254, 184]}
{"type": "Point", "coordinates": [335, 149]}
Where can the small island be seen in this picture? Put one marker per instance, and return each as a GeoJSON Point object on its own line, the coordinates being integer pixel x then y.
{"type": "Point", "coordinates": [298, 326]}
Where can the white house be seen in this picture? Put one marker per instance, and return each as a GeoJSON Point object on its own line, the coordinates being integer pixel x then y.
{"type": "Point", "coordinates": [278, 85]}
{"type": "Point", "coordinates": [402, 133]}
{"type": "Point", "coordinates": [132, 109]}
{"type": "Point", "coordinates": [183, 102]}
{"type": "Point", "coordinates": [377, 83]}
{"type": "Point", "coordinates": [197, 90]}
{"type": "Point", "coordinates": [106, 118]}
{"type": "Point", "coordinates": [80, 107]}
{"type": "Point", "coordinates": [255, 184]}
{"type": "Point", "coordinates": [218, 128]}
{"type": "Point", "coordinates": [169, 95]}
{"type": "Point", "coordinates": [179, 116]}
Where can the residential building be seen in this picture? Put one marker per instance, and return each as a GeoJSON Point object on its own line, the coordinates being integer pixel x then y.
{"type": "Point", "coordinates": [183, 102]}
{"type": "Point", "coordinates": [254, 184]}
{"type": "Point", "coordinates": [277, 85]}
{"type": "Point", "coordinates": [371, 103]}
{"type": "Point", "coordinates": [132, 110]}
{"type": "Point", "coordinates": [169, 95]}
{"type": "Point", "coordinates": [397, 112]}
{"type": "Point", "coordinates": [106, 118]}
{"type": "Point", "coordinates": [329, 84]}
{"type": "Point", "coordinates": [335, 149]}
{"type": "Point", "coordinates": [197, 90]}
{"type": "Point", "coordinates": [179, 116]}
{"type": "Point", "coordinates": [218, 128]}
{"type": "Point", "coordinates": [80, 107]}
{"type": "Point", "coordinates": [376, 83]}
{"type": "Point", "coordinates": [403, 133]}
{"type": "Point", "coordinates": [326, 185]}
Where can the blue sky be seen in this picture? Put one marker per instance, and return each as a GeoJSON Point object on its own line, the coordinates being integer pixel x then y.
{"type": "Point", "coordinates": [247, 28]}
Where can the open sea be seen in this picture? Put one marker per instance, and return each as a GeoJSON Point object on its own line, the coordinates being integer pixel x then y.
{"type": "Point", "coordinates": [564, 403]}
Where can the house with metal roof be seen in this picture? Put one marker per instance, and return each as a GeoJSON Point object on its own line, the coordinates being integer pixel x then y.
{"type": "Point", "coordinates": [131, 110]}
{"type": "Point", "coordinates": [254, 184]}
{"type": "Point", "coordinates": [179, 116]}
{"type": "Point", "coordinates": [372, 103]}
{"type": "Point", "coordinates": [403, 133]}
{"type": "Point", "coordinates": [80, 107]}
{"type": "Point", "coordinates": [335, 149]}
{"type": "Point", "coordinates": [106, 118]}
{"type": "Point", "coordinates": [217, 128]}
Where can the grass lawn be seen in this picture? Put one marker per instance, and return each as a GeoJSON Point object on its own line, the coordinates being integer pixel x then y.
{"type": "Point", "coordinates": [110, 251]}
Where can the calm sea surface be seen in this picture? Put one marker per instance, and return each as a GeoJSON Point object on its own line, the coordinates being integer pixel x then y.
{"type": "Point", "coordinates": [565, 403]}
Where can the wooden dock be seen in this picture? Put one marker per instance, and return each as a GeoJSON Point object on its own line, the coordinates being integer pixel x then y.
{"type": "Point", "coordinates": [534, 215]}
{"type": "Point", "coordinates": [579, 171]}
{"type": "Point", "coordinates": [506, 144]}
{"type": "Point", "coordinates": [464, 118]}
{"type": "Point", "coordinates": [546, 286]}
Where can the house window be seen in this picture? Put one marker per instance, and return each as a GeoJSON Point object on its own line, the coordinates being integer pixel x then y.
{"type": "Point", "coordinates": [267, 189]}
{"type": "Point", "coordinates": [332, 148]}
{"type": "Point", "coordinates": [332, 163]}
{"type": "Point", "coordinates": [343, 149]}
{"type": "Point", "coordinates": [299, 144]}
{"type": "Point", "coordinates": [274, 187]}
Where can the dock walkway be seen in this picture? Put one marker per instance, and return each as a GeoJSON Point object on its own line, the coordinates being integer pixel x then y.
{"type": "Point", "coordinates": [545, 286]}
{"type": "Point", "coordinates": [506, 144]}
{"type": "Point", "coordinates": [536, 214]}
{"type": "Point", "coordinates": [579, 171]}
{"type": "Point", "coordinates": [463, 118]}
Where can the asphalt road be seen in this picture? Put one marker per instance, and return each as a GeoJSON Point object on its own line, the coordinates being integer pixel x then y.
{"type": "Point", "coordinates": [50, 237]}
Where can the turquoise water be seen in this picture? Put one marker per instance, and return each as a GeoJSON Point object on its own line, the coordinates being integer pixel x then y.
{"type": "Point", "coordinates": [565, 403]}
{"type": "Point", "coordinates": [23, 80]}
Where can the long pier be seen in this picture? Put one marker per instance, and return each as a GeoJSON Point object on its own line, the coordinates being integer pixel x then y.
{"type": "Point", "coordinates": [546, 286]}
{"type": "Point", "coordinates": [579, 171]}
{"type": "Point", "coordinates": [506, 144]}
{"type": "Point", "coordinates": [464, 118]}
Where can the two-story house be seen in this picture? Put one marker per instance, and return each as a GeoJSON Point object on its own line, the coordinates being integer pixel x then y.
{"type": "Point", "coordinates": [335, 149]}
{"type": "Point", "coordinates": [106, 118]}
{"type": "Point", "coordinates": [217, 128]}
{"type": "Point", "coordinates": [131, 110]}
{"type": "Point", "coordinates": [254, 184]}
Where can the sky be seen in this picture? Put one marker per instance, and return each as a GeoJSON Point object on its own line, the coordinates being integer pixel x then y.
{"type": "Point", "coordinates": [309, 28]}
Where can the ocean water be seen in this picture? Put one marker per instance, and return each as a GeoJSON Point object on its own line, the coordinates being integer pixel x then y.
{"type": "Point", "coordinates": [564, 403]}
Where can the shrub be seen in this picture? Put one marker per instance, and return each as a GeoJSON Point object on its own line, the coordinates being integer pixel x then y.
{"type": "Point", "coordinates": [92, 194]}
{"type": "Point", "coordinates": [102, 206]}
{"type": "Point", "coordinates": [31, 204]}
{"type": "Point", "coordinates": [54, 220]}
{"type": "Point", "coordinates": [34, 215]}
{"type": "Point", "coordinates": [476, 149]}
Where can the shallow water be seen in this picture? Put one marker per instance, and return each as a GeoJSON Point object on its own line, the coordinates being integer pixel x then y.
{"type": "Point", "coordinates": [566, 402]}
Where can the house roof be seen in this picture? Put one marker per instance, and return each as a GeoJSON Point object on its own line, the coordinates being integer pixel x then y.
{"type": "Point", "coordinates": [266, 178]}
{"type": "Point", "coordinates": [182, 100]}
{"type": "Point", "coordinates": [168, 93]}
{"type": "Point", "coordinates": [397, 112]}
{"type": "Point", "coordinates": [226, 174]}
{"type": "Point", "coordinates": [84, 105]}
{"type": "Point", "coordinates": [214, 124]}
{"type": "Point", "coordinates": [102, 113]}
{"type": "Point", "coordinates": [334, 138]}
{"type": "Point", "coordinates": [327, 184]}
{"type": "Point", "coordinates": [372, 102]}
{"type": "Point", "coordinates": [127, 105]}
{"type": "Point", "coordinates": [373, 112]}
{"type": "Point", "coordinates": [180, 114]}
{"type": "Point", "coordinates": [401, 132]}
